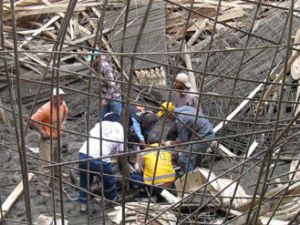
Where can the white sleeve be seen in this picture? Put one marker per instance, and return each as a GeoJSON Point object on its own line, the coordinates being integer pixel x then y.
{"type": "Point", "coordinates": [120, 147]}
{"type": "Point", "coordinates": [121, 139]}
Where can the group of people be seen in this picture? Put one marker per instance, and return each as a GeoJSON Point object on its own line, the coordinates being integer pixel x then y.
{"type": "Point", "coordinates": [154, 163]}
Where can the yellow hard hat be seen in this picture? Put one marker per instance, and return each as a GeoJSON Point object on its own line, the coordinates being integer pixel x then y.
{"type": "Point", "coordinates": [164, 107]}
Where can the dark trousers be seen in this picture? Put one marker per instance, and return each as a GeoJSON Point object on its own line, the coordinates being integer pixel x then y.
{"type": "Point", "coordinates": [109, 181]}
{"type": "Point", "coordinates": [155, 190]}
{"type": "Point", "coordinates": [198, 148]}
{"type": "Point", "coordinates": [112, 106]}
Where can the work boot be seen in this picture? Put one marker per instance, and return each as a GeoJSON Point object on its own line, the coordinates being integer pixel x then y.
{"type": "Point", "coordinates": [43, 190]}
{"type": "Point", "coordinates": [83, 207]}
{"type": "Point", "coordinates": [114, 202]}
{"type": "Point", "coordinates": [43, 193]}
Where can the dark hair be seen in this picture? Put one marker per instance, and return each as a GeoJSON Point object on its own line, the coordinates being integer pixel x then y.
{"type": "Point", "coordinates": [130, 122]}
{"type": "Point", "coordinates": [113, 117]}
{"type": "Point", "coordinates": [149, 117]}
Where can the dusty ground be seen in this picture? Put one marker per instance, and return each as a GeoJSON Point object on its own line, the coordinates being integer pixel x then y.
{"type": "Point", "coordinates": [9, 162]}
{"type": "Point", "coordinates": [10, 176]}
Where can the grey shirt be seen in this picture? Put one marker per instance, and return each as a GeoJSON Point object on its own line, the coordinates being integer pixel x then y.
{"type": "Point", "coordinates": [187, 116]}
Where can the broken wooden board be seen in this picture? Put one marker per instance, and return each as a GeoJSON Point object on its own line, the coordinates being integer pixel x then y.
{"type": "Point", "coordinates": [49, 220]}
{"type": "Point", "coordinates": [295, 170]}
{"type": "Point", "coordinates": [223, 189]}
{"type": "Point", "coordinates": [3, 116]}
{"type": "Point", "coordinates": [12, 198]}
{"type": "Point", "coordinates": [156, 75]}
{"type": "Point", "coordinates": [135, 214]}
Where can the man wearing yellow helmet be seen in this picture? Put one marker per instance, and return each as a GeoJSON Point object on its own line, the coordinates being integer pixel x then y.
{"type": "Point", "coordinates": [187, 126]}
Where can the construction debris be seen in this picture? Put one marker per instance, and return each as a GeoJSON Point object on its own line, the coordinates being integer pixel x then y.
{"type": "Point", "coordinates": [243, 59]}
{"type": "Point", "coordinates": [12, 198]}
{"type": "Point", "coordinates": [47, 220]}
{"type": "Point", "coordinates": [225, 191]}
{"type": "Point", "coordinates": [137, 213]}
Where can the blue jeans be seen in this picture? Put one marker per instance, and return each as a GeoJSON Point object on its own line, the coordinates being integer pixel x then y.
{"type": "Point", "coordinates": [198, 148]}
{"type": "Point", "coordinates": [155, 190]}
{"type": "Point", "coordinates": [112, 106]}
{"type": "Point", "coordinates": [109, 181]}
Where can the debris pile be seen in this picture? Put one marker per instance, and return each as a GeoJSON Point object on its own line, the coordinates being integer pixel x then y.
{"type": "Point", "coordinates": [140, 212]}
{"type": "Point", "coordinates": [242, 57]}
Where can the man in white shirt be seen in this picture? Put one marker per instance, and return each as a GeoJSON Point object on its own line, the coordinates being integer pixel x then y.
{"type": "Point", "coordinates": [184, 94]}
{"type": "Point", "coordinates": [112, 143]}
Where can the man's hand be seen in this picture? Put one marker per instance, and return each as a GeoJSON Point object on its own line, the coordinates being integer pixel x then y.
{"type": "Point", "coordinates": [143, 144]}
{"type": "Point", "coordinates": [44, 135]}
{"type": "Point", "coordinates": [170, 143]}
{"type": "Point", "coordinates": [138, 167]}
{"type": "Point", "coordinates": [103, 103]}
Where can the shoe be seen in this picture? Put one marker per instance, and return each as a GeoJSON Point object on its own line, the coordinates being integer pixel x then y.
{"type": "Point", "coordinates": [114, 202]}
{"type": "Point", "coordinates": [83, 207]}
{"type": "Point", "coordinates": [43, 193]}
{"type": "Point", "coordinates": [65, 175]}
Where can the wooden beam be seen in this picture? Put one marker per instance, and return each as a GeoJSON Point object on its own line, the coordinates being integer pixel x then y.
{"type": "Point", "coordinates": [279, 77]}
{"type": "Point", "coordinates": [14, 195]}
{"type": "Point", "coordinates": [188, 64]}
{"type": "Point", "coordinates": [38, 31]}
{"type": "Point", "coordinates": [3, 114]}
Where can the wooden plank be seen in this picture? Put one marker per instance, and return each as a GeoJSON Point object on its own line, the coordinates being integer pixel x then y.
{"type": "Point", "coordinates": [29, 55]}
{"type": "Point", "coordinates": [38, 31]}
{"type": "Point", "coordinates": [239, 108]}
{"type": "Point", "coordinates": [199, 28]}
{"type": "Point", "coordinates": [278, 79]}
{"type": "Point", "coordinates": [231, 14]}
{"type": "Point", "coordinates": [14, 195]}
{"type": "Point", "coordinates": [188, 64]}
{"type": "Point", "coordinates": [3, 114]}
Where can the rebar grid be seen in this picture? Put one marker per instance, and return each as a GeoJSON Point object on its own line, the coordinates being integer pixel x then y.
{"type": "Point", "coordinates": [260, 130]}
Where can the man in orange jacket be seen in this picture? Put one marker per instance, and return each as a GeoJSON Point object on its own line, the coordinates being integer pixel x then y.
{"type": "Point", "coordinates": [41, 122]}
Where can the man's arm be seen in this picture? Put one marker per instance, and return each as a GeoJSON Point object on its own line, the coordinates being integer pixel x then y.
{"type": "Point", "coordinates": [136, 126]}
{"type": "Point", "coordinates": [172, 133]}
{"type": "Point", "coordinates": [183, 133]}
{"type": "Point", "coordinates": [65, 116]}
{"type": "Point", "coordinates": [39, 128]}
{"type": "Point", "coordinates": [139, 164]}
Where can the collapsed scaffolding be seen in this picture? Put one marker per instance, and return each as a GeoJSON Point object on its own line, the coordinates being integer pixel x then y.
{"type": "Point", "coordinates": [241, 56]}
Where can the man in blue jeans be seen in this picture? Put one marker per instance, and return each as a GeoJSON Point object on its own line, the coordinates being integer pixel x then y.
{"type": "Point", "coordinates": [185, 121]}
{"type": "Point", "coordinates": [101, 152]}
{"type": "Point", "coordinates": [109, 84]}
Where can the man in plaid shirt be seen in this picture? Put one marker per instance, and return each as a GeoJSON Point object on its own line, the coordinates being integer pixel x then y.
{"type": "Point", "coordinates": [109, 86]}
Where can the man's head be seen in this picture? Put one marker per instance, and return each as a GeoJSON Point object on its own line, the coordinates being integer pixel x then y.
{"type": "Point", "coordinates": [165, 109]}
{"type": "Point", "coordinates": [112, 117]}
{"type": "Point", "coordinates": [148, 120]}
{"type": "Point", "coordinates": [115, 117]}
{"type": "Point", "coordinates": [95, 56]}
{"type": "Point", "coordinates": [60, 94]}
{"type": "Point", "coordinates": [182, 81]}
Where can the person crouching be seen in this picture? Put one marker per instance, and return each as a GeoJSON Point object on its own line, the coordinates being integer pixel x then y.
{"type": "Point", "coordinates": [161, 174]}
{"type": "Point", "coordinates": [112, 132]}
